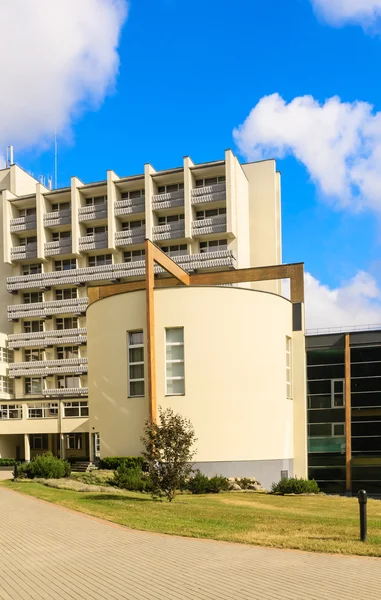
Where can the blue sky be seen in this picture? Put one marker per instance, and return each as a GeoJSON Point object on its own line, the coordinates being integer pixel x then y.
{"type": "Point", "coordinates": [190, 73]}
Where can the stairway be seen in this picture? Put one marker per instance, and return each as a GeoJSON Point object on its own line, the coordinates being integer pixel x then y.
{"type": "Point", "coordinates": [81, 466]}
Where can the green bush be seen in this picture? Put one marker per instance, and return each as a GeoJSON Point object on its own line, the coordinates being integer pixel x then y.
{"type": "Point", "coordinates": [244, 483]}
{"type": "Point", "coordinates": [295, 485]}
{"type": "Point", "coordinates": [217, 484]}
{"type": "Point", "coordinates": [201, 484]}
{"type": "Point", "coordinates": [45, 466]}
{"type": "Point", "coordinates": [8, 462]}
{"type": "Point", "coordinates": [95, 477]}
{"type": "Point", "coordinates": [132, 479]}
{"type": "Point", "coordinates": [113, 462]}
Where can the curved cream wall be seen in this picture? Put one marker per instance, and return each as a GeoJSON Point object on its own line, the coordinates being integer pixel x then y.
{"type": "Point", "coordinates": [235, 371]}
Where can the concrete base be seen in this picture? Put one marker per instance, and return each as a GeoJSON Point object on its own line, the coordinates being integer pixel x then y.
{"type": "Point", "coordinates": [265, 471]}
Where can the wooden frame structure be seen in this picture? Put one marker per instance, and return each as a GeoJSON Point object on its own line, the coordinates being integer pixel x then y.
{"type": "Point", "coordinates": [153, 254]}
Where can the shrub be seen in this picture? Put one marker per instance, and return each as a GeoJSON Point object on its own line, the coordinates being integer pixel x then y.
{"type": "Point", "coordinates": [113, 462]}
{"type": "Point", "coordinates": [95, 477]}
{"type": "Point", "coordinates": [8, 462]}
{"type": "Point", "coordinates": [245, 482]}
{"type": "Point", "coordinates": [45, 466]}
{"type": "Point", "coordinates": [132, 479]}
{"type": "Point", "coordinates": [201, 484]}
{"type": "Point", "coordinates": [295, 485]}
{"type": "Point", "coordinates": [218, 484]}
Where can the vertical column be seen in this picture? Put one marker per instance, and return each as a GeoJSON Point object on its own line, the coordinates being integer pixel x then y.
{"type": "Point", "coordinates": [299, 395]}
{"type": "Point", "coordinates": [231, 197]}
{"type": "Point", "coordinates": [188, 186]}
{"type": "Point", "coordinates": [40, 210]}
{"type": "Point", "coordinates": [149, 192]}
{"type": "Point", "coordinates": [26, 447]}
{"type": "Point", "coordinates": [111, 199]}
{"type": "Point", "coordinates": [348, 415]}
{"type": "Point", "coordinates": [62, 445]}
{"type": "Point", "coordinates": [50, 443]}
{"type": "Point", "coordinates": [150, 326]}
{"type": "Point", "coordinates": [75, 204]}
{"type": "Point", "coordinates": [91, 447]}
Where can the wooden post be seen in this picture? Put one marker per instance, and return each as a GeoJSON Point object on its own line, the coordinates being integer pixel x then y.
{"type": "Point", "coordinates": [348, 415]}
{"type": "Point", "coordinates": [150, 323]}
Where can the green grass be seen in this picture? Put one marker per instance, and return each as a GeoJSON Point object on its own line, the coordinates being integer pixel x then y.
{"type": "Point", "coordinates": [313, 523]}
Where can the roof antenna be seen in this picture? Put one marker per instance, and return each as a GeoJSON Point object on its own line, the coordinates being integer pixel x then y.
{"type": "Point", "coordinates": [9, 156]}
{"type": "Point", "coordinates": [55, 159]}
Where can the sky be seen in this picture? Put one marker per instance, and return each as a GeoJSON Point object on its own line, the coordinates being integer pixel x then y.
{"type": "Point", "coordinates": [129, 82]}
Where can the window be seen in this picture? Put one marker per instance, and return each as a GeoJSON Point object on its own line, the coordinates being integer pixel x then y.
{"type": "Point", "coordinates": [100, 259]}
{"type": "Point", "coordinates": [213, 245]}
{"type": "Point", "coordinates": [6, 385]}
{"type": "Point", "coordinates": [10, 411]}
{"type": "Point", "coordinates": [33, 326]}
{"type": "Point", "coordinates": [67, 352]}
{"type": "Point", "coordinates": [326, 430]}
{"type": "Point", "coordinates": [74, 441]}
{"type": "Point", "coordinates": [38, 441]}
{"type": "Point", "coordinates": [31, 269]}
{"type": "Point", "coordinates": [66, 294]}
{"type": "Point", "coordinates": [175, 249]}
{"type": "Point", "coordinates": [210, 181]}
{"type": "Point", "coordinates": [27, 212]}
{"type": "Point", "coordinates": [170, 219]}
{"type": "Point", "coordinates": [95, 201]}
{"type": "Point", "coordinates": [67, 323]}
{"type": "Point", "coordinates": [46, 410]}
{"type": "Point", "coordinates": [136, 363]}
{"type": "Point", "coordinates": [33, 385]}
{"type": "Point", "coordinates": [27, 241]}
{"type": "Point", "coordinates": [174, 361]}
{"type": "Point", "coordinates": [337, 393]}
{"type": "Point", "coordinates": [60, 235]}
{"type": "Point", "coordinates": [65, 265]}
{"type": "Point", "coordinates": [32, 297]}
{"type": "Point", "coordinates": [134, 255]}
{"type": "Point", "coordinates": [34, 354]}
{"type": "Point", "coordinates": [68, 381]}
{"type": "Point", "coordinates": [288, 367]}
{"type": "Point", "coordinates": [6, 355]}
{"type": "Point", "coordinates": [95, 230]}
{"type": "Point", "coordinates": [97, 444]}
{"type": "Point", "coordinates": [173, 187]}
{"type": "Point", "coordinates": [128, 225]}
{"type": "Point", "coordinates": [76, 409]}
{"type": "Point", "coordinates": [132, 194]}
{"type": "Point", "coordinates": [61, 206]}
{"type": "Point", "coordinates": [206, 214]}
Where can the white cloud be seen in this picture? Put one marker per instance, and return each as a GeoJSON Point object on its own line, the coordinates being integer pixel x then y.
{"type": "Point", "coordinates": [356, 302]}
{"type": "Point", "coordinates": [338, 12]}
{"type": "Point", "coordinates": [58, 57]}
{"type": "Point", "coordinates": [338, 142]}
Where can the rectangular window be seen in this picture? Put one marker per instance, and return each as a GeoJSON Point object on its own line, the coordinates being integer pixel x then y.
{"type": "Point", "coordinates": [65, 265]}
{"type": "Point", "coordinates": [96, 201]}
{"type": "Point", "coordinates": [68, 381]}
{"type": "Point", "coordinates": [76, 409]}
{"type": "Point", "coordinates": [213, 245]}
{"type": "Point", "coordinates": [326, 430]}
{"type": "Point", "coordinates": [6, 355]}
{"type": "Point", "coordinates": [288, 367]}
{"type": "Point", "coordinates": [74, 441]}
{"type": "Point", "coordinates": [337, 393]}
{"type": "Point", "coordinates": [94, 230]}
{"type": "Point", "coordinates": [66, 294]}
{"type": "Point", "coordinates": [67, 323]}
{"type": "Point", "coordinates": [60, 235]}
{"type": "Point", "coordinates": [32, 269]}
{"type": "Point", "coordinates": [6, 385]}
{"type": "Point", "coordinates": [100, 259]}
{"type": "Point", "coordinates": [135, 363]}
{"type": "Point", "coordinates": [170, 219]}
{"type": "Point", "coordinates": [67, 352]}
{"type": "Point", "coordinates": [175, 249]}
{"type": "Point", "coordinates": [130, 225]}
{"type": "Point", "coordinates": [173, 187]}
{"type": "Point", "coordinates": [132, 194]}
{"type": "Point", "coordinates": [27, 241]}
{"type": "Point", "coordinates": [10, 411]}
{"type": "Point", "coordinates": [33, 385]}
{"type": "Point", "coordinates": [27, 212]}
{"type": "Point", "coordinates": [32, 297]}
{"type": "Point", "coordinates": [38, 441]}
{"type": "Point", "coordinates": [206, 214]}
{"type": "Point", "coordinates": [210, 181]}
{"type": "Point", "coordinates": [46, 410]}
{"type": "Point", "coordinates": [97, 444]}
{"type": "Point", "coordinates": [61, 206]}
{"type": "Point", "coordinates": [33, 354]}
{"type": "Point", "coordinates": [134, 255]}
{"type": "Point", "coordinates": [33, 326]}
{"type": "Point", "coordinates": [174, 361]}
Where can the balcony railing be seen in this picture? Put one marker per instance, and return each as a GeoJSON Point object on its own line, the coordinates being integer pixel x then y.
{"type": "Point", "coordinates": [207, 226]}
{"type": "Point", "coordinates": [209, 193]}
{"type": "Point", "coordinates": [47, 309]}
{"type": "Point", "coordinates": [130, 206]}
{"type": "Point", "coordinates": [57, 392]}
{"type": "Point", "coordinates": [93, 242]}
{"type": "Point", "coordinates": [206, 260]}
{"type": "Point", "coordinates": [168, 200]}
{"type": "Point", "coordinates": [62, 246]}
{"type": "Point", "coordinates": [170, 231]}
{"type": "Point", "coordinates": [51, 337]}
{"type": "Point", "coordinates": [57, 217]}
{"type": "Point", "coordinates": [23, 252]}
{"type": "Point", "coordinates": [130, 236]}
{"type": "Point", "coordinates": [92, 212]}
{"type": "Point", "coordinates": [48, 367]}
{"type": "Point", "coordinates": [23, 223]}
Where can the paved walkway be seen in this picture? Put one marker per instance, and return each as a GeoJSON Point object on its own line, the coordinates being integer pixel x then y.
{"type": "Point", "coordinates": [49, 552]}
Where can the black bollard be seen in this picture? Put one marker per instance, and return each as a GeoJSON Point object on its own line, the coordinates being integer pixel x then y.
{"type": "Point", "coordinates": [363, 499]}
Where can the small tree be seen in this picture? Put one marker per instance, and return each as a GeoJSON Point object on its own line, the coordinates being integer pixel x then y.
{"type": "Point", "coordinates": [168, 451]}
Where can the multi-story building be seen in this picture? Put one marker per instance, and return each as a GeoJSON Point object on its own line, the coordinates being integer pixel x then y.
{"type": "Point", "coordinates": [57, 243]}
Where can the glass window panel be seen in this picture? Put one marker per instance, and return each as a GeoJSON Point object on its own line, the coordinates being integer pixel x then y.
{"type": "Point", "coordinates": [175, 369]}
{"type": "Point", "coordinates": [136, 355]}
{"type": "Point", "coordinates": [137, 388]}
{"type": "Point", "coordinates": [175, 386]}
{"type": "Point", "coordinates": [338, 429]}
{"type": "Point", "coordinates": [136, 371]}
{"type": "Point", "coordinates": [136, 337]}
{"type": "Point", "coordinates": [175, 352]}
{"type": "Point", "coordinates": [320, 429]}
{"type": "Point", "coordinates": [175, 335]}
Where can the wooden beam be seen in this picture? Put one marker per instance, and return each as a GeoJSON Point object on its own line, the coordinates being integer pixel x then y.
{"type": "Point", "coordinates": [348, 415]}
{"type": "Point", "coordinates": [150, 329]}
{"type": "Point", "coordinates": [168, 264]}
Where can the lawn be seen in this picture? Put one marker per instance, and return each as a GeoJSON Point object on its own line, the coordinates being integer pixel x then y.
{"type": "Point", "coordinates": [313, 523]}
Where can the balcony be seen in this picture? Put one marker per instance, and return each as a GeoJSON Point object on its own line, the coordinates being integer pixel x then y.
{"type": "Point", "coordinates": [207, 226]}
{"type": "Point", "coordinates": [75, 306]}
{"type": "Point", "coordinates": [168, 200]}
{"type": "Point", "coordinates": [58, 392]}
{"type": "Point", "coordinates": [48, 367]}
{"type": "Point", "coordinates": [207, 260]}
{"type": "Point", "coordinates": [62, 246]}
{"type": "Point", "coordinates": [130, 236]}
{"type": "Point", "coordinates": [210, 193]}
{"type": "Point", "coordinates": [92, 213]}
{"type": "Point", "coordinates": [170, 231]}
{"type": "Point", "coordinates": [129, 206]}
{"type": "Point", "coordinates": [24, 252]}
{"type": "Point", "coordinates": [57, 217]}
{"type": "Point", "coordinates": [53, 337]}
{"type": "Point", "coordinates": [95, 241]}
{"type": "Point", "coordinates": [23, 223]}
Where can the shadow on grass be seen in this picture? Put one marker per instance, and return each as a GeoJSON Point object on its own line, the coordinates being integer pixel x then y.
{"type": "Point", "coordinates": [113, 497]}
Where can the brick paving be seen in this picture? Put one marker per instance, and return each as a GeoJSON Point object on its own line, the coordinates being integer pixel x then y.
{"type": "Point", "coordinates": [50, 552]}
